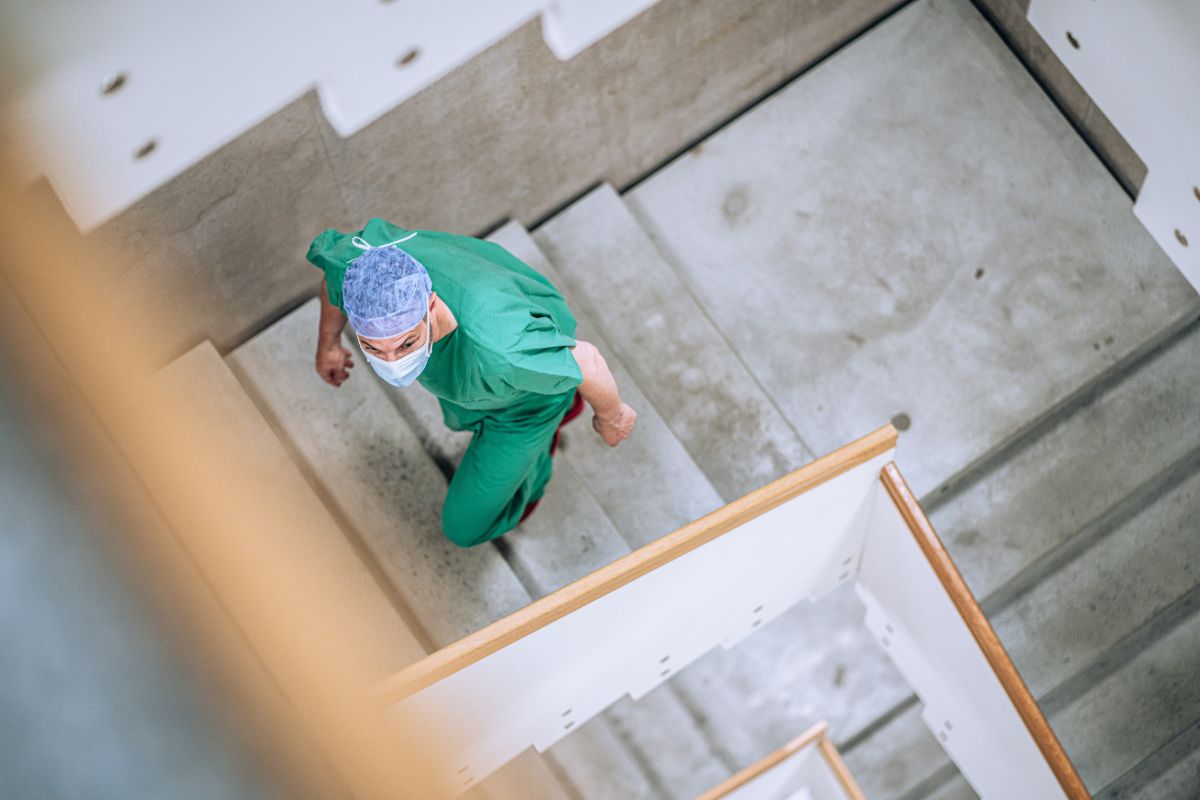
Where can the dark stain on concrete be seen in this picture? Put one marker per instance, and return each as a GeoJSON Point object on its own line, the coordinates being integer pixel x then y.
{"type": "Point", "coordinates": [854, 337]}
{"type": "Point", "coordinates": [735, 204]}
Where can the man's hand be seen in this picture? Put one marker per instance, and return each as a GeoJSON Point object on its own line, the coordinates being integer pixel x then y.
{"type": "Point", "coordinates": [333, 363]}
{"type": "Point", "coordinates": [615, 430]}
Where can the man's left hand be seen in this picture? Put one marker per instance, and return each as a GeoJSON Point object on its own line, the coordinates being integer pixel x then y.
{"type": "Point", "coordinates": [616, 429]}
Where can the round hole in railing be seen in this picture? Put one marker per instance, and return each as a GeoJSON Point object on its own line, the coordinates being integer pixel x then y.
{"type": "Point", "coordinates": [902, 421]}
{"type": "Point", "coordinates": [1180, 237]}
{"type": "Point", "coordinates": [758, 610]}
{"type": "Point", "coordinates": [1071, 38]}
{"type": "Point", "coordinates": [757, 622]}
{"type": "Point", "coordinates": [146, 149]}
{"type": "Point", "coordinates": [567, 713]}
{"type": "Point", "coordinates": [664, 659]}
{"type": "Point", "coordinates": [848, 561]}
{"type": "Point", "coordinates": [113, 83]}
{"type": "Point", "coordinates": [1196, 191]}
{"type": "Point", "coordinates": [569, 725]}
{"type": "Point", "coordinates": [408, 57]}
{"type": "Point", "coordinates": [843, 576]}
{"type": "Point", "coordinates": [664, 673]}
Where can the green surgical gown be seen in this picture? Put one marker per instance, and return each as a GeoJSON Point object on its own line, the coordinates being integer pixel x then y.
{"type": "Point", "coordinates": [506, 373]}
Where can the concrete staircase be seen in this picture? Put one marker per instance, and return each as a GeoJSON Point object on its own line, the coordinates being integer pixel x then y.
{"type": "Point", "coordinates": [877, 240]}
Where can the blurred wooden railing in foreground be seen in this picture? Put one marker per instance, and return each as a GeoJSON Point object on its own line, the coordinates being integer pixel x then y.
{"type": "Point", "coordinates": [197, 518]}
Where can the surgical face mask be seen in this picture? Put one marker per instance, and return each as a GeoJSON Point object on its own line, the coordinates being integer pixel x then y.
{"type": "Point", "coordinates": [404, 370]}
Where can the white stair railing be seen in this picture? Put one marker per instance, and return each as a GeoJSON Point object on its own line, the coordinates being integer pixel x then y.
{"type": "Point", "coordinates": [540, 673]}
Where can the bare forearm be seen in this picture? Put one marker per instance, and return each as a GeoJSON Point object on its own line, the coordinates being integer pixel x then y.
{"type": "Point", "coordinates": [599, 387]}
{"type": "Point", "coordinates": [332, 320]}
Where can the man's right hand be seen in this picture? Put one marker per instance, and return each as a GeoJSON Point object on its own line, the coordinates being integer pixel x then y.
{"type": "Point", "coordinates": [334, 363]}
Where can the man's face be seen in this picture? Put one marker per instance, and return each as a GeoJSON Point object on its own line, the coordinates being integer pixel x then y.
{"type": "Point", "coordinates": [400, 345]}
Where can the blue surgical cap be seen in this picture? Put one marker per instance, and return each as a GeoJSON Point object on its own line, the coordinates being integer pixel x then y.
{"type": "Point", "coordinates": [385, 292]}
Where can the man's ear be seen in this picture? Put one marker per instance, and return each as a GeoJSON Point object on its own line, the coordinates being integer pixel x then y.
{"type": "Point", "coordinates": [432, 299]}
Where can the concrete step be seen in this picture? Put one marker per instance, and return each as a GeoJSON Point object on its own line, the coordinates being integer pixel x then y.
{"type": "Point", "coordinates": [912, 227]}
{"type": "Point", "coordinates": [681, 362]}
{"type": "Point", "coordinates": [1171, 774]}
{"type": "Point", "coordinates": [1020, 517]}
{"type": "Point", "coordinates": [387, 493]}
{"type": "Point", "coordinates": [1076, 542]}
{"type": "Point", "coordinates": [754, 698]}
{"type": "Point", "coordinates": [1153, 697]}
{"type": "Point", "coordinates": [229, 412]}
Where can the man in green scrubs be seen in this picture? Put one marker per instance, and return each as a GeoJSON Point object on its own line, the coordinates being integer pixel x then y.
{"type": "Point", "coordinates": [486, 334]}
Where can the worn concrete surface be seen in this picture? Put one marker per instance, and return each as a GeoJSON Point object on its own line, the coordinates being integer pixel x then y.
{"type": "Point", "coordinates": [514, 132]}
{"type": "Point", "coordinates": [229, 412]}
{"type": "Point", "coordinates": [681, 766]}
{"type": "Point", "coordinates": [897, 757]}
{"type": "Point", "coordinates": [814, 662]}
{"type": "Point", "coordinates": [222, 246]}
{"type": "Point", "coordinates": [674, 353]}
{"type": "Point", "coordinates": [1120, 584]}
{"type": "Point", "coordinates": [913, 227]}
{"type": "Point", "coordinates": [1127, 716]}
{"type": "Point", "coordinates": [1179, 781]}
{"type": "Point", "coordinates": [1103, 451]}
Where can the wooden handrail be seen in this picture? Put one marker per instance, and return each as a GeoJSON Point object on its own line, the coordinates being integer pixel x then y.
{"type": "Point", "coordinates": [819, 734]}
{"type": "Point", "coordinates": [610, 577]}
{"type": "Point", "coordinates": [952, 581]}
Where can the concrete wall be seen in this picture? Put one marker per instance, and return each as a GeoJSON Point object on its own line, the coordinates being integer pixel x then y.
{"type": "Point", "coordinates": [1009, 17]}
{"type": "Point", "coordinates": [514, 133]}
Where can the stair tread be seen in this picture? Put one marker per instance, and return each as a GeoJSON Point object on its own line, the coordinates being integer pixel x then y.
{"type": "Point", "coordinates": [678, 359]}
{"type": "Point", "coordinates": [229, 411]}
{"type": "Point", "coordinates": [1072, 473]}
{"type": "Point", "coordinates": [1131, 713]}
{"type": "Point", "coordinates": [903, 250]}
{"type": "Point", "coordinates": [1107, 593]}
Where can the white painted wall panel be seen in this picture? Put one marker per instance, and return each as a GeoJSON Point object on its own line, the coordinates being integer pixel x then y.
{"type": "Point", "coordinates": [538, 689]}
{"type": "Point", "coordinates": [197, 75]}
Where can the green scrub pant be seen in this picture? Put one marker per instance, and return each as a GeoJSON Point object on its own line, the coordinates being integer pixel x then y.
{"type": "Point", "coordinates": [504, 469]}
